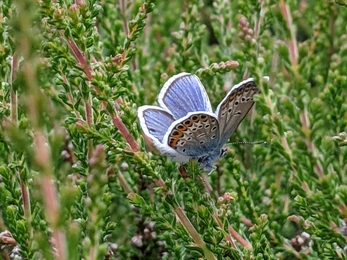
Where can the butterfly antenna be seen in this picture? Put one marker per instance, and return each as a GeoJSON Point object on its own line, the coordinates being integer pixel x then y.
{"type": "Point", "coordinates": [244, 142]}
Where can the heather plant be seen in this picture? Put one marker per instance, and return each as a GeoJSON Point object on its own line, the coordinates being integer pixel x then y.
{"type": "Point", "coordinates": [78, 180]}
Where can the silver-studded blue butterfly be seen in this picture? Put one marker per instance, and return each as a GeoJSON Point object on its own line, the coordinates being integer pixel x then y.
{"type": "Point", "coordinates": [184, 127]}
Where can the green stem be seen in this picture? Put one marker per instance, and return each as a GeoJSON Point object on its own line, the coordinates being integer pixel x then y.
{"type": "Point", "coordinates": [193, 233]}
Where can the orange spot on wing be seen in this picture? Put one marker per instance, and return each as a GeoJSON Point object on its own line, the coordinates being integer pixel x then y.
{"type": "Point", "coordinates": [176, 133]}
{"type": "Point", "coordinates": [195, 118]}
{"type": "Point", "coordinates": [204, 118]}
{"type": "Point", "coordinates": [173, 142]}
{"type": "Point", "coordinates": [181, 127]}
{"type": "Point", "coordinates": [188, 123]}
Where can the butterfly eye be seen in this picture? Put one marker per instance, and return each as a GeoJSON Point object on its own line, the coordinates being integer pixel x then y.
{"type": "Point", "coordinates": [202, 158]}
{"type": "Point", "coordinates": [223, 152]}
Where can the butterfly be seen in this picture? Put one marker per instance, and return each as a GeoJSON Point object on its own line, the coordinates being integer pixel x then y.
{"type": "Point", "coordinates": [184, 127]}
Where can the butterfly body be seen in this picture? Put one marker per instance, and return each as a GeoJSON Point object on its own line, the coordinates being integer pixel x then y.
{"type": "Point", "coordinates": [184, 126]}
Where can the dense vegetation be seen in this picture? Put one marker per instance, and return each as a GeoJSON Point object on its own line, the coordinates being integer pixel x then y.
{"type": "Point", "coordinates": [78, 180]}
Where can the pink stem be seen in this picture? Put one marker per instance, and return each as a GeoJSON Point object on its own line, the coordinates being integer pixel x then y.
{"type": "Point", "coordinates": [292, 43]}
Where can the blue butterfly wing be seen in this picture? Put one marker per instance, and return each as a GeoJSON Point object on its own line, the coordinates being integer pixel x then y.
{"type": "Point", "coordinates": [155, 121]}
{"type": "Point", "coordinates": [182, 94]}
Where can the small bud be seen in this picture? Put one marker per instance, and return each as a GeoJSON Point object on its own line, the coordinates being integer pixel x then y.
{"type": "Point", "coordinates": [243, 23]}
{"type": "Point", "coordinates": [117, 59]}
{"type": "Point", "coordinates": [81, 3]}
{"type": "Point", "coordinates": [227, 196]}
{"type": "Point", "coordinates": [74, 8]}
{"type": "Point", "coordinates": [220, 200]}
{"type": "Point", "coordinates": [248, 38]}
{"type": "Point", "coordinates": [58, 14]}
{"type": "Point", "coordinates": [137, 241]}
{"type": "Point", "coordinates": [232, 64]}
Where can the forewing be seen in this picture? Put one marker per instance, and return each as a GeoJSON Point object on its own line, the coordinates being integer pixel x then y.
{"type": "Point", "coordinates": [154, 121]}
{"type": "Point", "coordinates": [234, 107]}
{"type": "Point", "coordinates": [195, 135]}
{"type": "Point", "coordinates": [182, 94]}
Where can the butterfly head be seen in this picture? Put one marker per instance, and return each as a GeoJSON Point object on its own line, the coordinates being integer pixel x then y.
{"type": "Point", "coordinates": [207, 161]}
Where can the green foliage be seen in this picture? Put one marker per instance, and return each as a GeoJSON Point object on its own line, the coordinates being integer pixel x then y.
{"type": "Point", "coordinates": [79, 181]}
